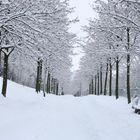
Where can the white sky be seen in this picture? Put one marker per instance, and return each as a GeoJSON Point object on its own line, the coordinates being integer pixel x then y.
{"type": "Point", "coordinates": [84, 12]}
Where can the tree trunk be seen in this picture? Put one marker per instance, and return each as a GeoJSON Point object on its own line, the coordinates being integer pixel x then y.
{"type": "Point", "coordinates": [37, 79]}
{"type": "Point", "coordinates": [106, 76]}
{"type": "Point", "coordinates": [117, 78]}
{"type": "Point", "coordinates": [95, 85]}
{"type": "Point", "coordinates": [39, 73]}
{"type": "Point", "coordinates": [44, 85]}
{"type": "Point", "coordinates": [101, 80]}
{"type": "Point", "coordinates": [57, 88]}
{"type": "Point", "coordinates": [110, 79]}
{"type": "Point", "coordinates": [128, 66]}
{"type": "Point", "coordinates": [92, 87]}
{"type": "Point", "coordinates": [48, 83]}
{"type": "Point", "coordinates": [5, 69]}
{"type": "Point", "coordinates": [52, 84]}
{"type": "Point", "coordinates": [98, 84]}
{"type": "Point", "coordinates": [5, 74]}
{"type": "Point", "coordinates": [0, 57]}
{"type": "Point", "coordinates": [0, 65]}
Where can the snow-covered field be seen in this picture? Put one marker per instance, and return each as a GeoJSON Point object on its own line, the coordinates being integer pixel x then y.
{"type": "Point", "coordinates": [24, 115]}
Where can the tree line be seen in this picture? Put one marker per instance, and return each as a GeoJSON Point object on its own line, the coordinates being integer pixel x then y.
{"type": "Point", "coordinates": [35, 44]}
{"type": "Point", "coordinates": [112, 48]}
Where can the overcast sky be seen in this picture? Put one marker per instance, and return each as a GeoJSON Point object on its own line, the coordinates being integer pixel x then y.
{"type": "Point", "coordinates": [84, 12]}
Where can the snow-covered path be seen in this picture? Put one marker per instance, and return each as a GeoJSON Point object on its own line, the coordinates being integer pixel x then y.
{"type": "Point", "coordinates": [27, 116]}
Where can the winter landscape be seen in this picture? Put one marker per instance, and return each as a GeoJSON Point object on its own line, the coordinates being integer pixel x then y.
{"type": "Point", "coordinates": [69, 69]}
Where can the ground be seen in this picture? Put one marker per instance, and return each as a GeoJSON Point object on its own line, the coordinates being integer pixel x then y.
{"type": "Point", "coordinates": [25, 115]}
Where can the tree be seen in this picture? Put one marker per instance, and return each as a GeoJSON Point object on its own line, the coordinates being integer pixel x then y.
{"type": "Point", "coordinates": [7, 50]}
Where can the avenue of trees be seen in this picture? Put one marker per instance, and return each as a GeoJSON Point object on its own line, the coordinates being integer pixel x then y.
{"type": "Point", "coordinates": [35, 44]}
{"type": "Point", "coordinates": [112, 51]}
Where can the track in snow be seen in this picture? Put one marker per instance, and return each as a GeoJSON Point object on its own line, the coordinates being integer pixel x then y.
{"type": "Point", "coordinates": [27, 116]}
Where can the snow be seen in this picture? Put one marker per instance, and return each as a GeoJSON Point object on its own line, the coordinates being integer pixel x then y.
{"type": "Point", "coordinates": [25, 115]}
